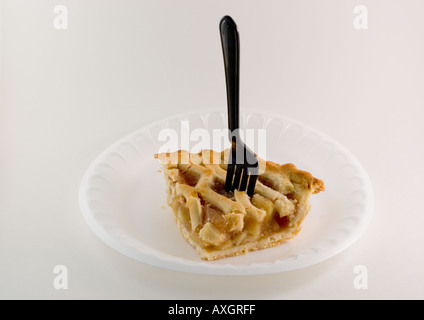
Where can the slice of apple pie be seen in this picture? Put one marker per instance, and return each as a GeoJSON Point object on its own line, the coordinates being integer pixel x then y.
{"type": "Point", "coordinates": [220, 224]}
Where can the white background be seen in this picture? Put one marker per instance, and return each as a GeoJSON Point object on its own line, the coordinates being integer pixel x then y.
{"type": "Point", "coordinates": [66, 95]}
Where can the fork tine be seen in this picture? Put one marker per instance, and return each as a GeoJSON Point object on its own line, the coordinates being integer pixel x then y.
{"type": "Point", "coordinates": [237, 177]}
{"type": "Point", "coordinates": [245, 177]}
{"type": "Point", "coordinates": [229, 177]}
{"type": "Point", "coordinates": [252, 183]}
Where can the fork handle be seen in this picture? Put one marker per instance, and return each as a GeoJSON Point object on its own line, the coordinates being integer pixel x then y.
{"type": "Point", "coordinates": [231, 51]}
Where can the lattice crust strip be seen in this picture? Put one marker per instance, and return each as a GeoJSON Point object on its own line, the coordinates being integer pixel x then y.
{"type": "Point", "coordinates": [220, 224]}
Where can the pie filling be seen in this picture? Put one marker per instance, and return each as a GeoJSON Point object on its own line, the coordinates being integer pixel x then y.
{"type": "Point", "coordinates": [231, 223]}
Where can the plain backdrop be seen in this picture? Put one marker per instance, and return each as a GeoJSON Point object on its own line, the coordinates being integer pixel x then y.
{"type": "Point", "coordinates": [68, 94]}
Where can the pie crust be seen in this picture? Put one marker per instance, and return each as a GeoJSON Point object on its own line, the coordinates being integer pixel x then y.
{"type": "Point", "coordinates": [220, 224]}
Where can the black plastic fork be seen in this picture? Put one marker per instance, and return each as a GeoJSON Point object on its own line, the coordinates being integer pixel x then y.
{"type": "Point", "coordinates": [243, 165]}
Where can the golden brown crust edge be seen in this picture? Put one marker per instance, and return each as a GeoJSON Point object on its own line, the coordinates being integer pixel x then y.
{"type": "Point", "coordinates": [304, 178]}
{"type": "Point", "coordinates": [211, 255]}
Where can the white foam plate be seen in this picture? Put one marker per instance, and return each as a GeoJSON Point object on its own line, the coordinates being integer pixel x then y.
{"type": "Point", "coordinates": [123, 199]}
